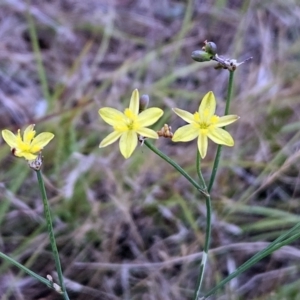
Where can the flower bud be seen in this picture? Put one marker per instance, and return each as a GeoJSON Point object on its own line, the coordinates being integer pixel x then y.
{"type": "Point", "coordinates": [144, 101]}
{"type": "Point", "coordinates": [200, 55]}
{"type": "Point", "coordinates": [211, 48]}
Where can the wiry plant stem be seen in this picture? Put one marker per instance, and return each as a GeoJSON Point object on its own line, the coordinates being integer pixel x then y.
{"type": "Point", "coordinates": [51, 234]}
{"type": "Point", "coordinates": [26, 270]}
{"type": "Point", "coordinates": [283, 240]}
{"type": "Point", "coordinates": [176, 166]}
{"type": "Point", "coordinates": [208, 230]}
{"type": "Point", "coordinates": [207, 197]}
{"type": "Point", "coordinates": [218, 154]}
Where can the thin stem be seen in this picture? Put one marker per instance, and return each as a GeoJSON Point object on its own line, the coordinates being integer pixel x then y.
{"type": "Point", "coordinates": [26, 270]}
{"type": "Point", "coordinates": [207, 233]}
{"type": "Point", "coordinates": [275, 245]}
{"type": "Point", "coordinates": [208, 203]}
{"type": "Point", "coordinates": [51, 234]}
{"type": "Point", "coordinates": [203, 190]}
{"type": "Point", "coordinates": [199, 173]}
{"type": "Point", "coordinates": [177, 167]}
{"type": "Point", "coordinates": [207, 198]}
{"type": "Point", "coordinates": [205, 249]}
{"type": "Point", "coordinates": [218, 154]}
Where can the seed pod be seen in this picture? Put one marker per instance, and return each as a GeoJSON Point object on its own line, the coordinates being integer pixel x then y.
{"type": "Point", "coordinates": [201, 56]}
{"type": "Point", "coordinates": [211, 48]}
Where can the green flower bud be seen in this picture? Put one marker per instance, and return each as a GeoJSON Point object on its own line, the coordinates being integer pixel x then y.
{"type": "Point", "coordinates": [211, 48]}
{"type": "Point", "coordinates": [200, 55]}
{"type": "Point", "coordinates": [144, 101]}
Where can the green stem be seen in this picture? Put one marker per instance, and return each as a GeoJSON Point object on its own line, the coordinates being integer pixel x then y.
{"type": "Point", "coordinates": [207, 198]}
{"type": "Point", "coordinates": [26, 270]}
{"type": "Point", "coordinates": [218, 154]}
{"type": "Point", "coordinates": [199, 173]}
{"type": "Point", "coordinates": [203, 190]}
{"type": "Point", "coordinates": [51, 234]}
{"type": "Point", "coordinates": [275, 245]}
{"type": "Point", "coordinates": [207, 233]}
{"type": "Point", "coordinates": [176, 166]}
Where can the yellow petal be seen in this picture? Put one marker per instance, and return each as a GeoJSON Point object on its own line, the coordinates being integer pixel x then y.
{"type": "Point", "coordinates": [9, 138]}
{"type": "Point", "coordinates": [185, 115]}
{"type": "Point", "coordinates": [112, 116]}
{"type": "Point", "coordinates": [40, 141]}
{"type": "Point", "coordinates": [226, 120]}
{"type": "Point", "coordinates": [111, 138]}
{"type": "Point", "coordinates": [146, 132]}
{"type": "Point", "coordinates": [26, 155]}
{"type": "Point", "coordinates": [207, 107]}
{"type": "Point", "coordinates": [202, 145]}
{"type": "Point", "coordinates": [128, 143]}
{"type": "Point", "coordinates": [221, 136]}
{"type": "Point", "coordinates": [29, 134]}
{"type": "Point", "coordinates": [135, 102]}
{"type": "Point", "coordinates": [149, 116]}
{"type": "Point", "coordinates": [185, 133]}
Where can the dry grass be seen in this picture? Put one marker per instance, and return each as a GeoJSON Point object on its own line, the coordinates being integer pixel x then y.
{"type": "Point", "coordinates": [134, 229]}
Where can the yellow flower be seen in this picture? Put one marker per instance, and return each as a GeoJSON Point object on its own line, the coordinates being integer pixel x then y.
{"type": "Point", "coordinates": [204, 124]}
{"type": "Point", "coordinates": [129, 124]}
{"type": "Point", "coordinates": [29, 146]}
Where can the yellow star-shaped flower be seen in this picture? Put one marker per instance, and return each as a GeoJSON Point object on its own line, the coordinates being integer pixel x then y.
{"type": "Point", "coordinates": [29, 146]}
{"type": "Point", "coordinates": [204, 124]}
{"type": "Point", "coordinates": [129, 124]}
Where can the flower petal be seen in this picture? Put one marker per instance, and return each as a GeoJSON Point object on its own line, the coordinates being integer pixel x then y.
{"type": "Point", "coordinates": [128, 143]}
{"type": "Point", "coordinates": [149, 116]}
{"type": "Point", "coordinates": [25, 154]}
{"type": "Point", "coordinates": [202, 145]}
{"type": "Point", "coordinates": [29, 134]}
{"type": "Point", "coordinates": [40, 141]}
{"type": "Point", "coordinates": [9, 138]}
{"type": "Point", "coordinates": [149, 133]}
{"type": "Point", "coordinates": [185, 115]}
{"type": "Point", "coordinates": [135, 102]}
{"type": "Point", "coordinates": [207, 107]}
{"type": "Point", "coordinates": [111, 138]}
{"type": "Point", "coordinates": [112, 116]}
{"type": "Point", "coordinates": [185, 133]}
{"type": "Point", "coordinates": [226, 120]}
{"type": "Point", "coordinates": [221, 136]}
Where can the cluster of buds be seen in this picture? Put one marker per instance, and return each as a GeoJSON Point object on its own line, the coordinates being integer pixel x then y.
{"type": "Point", "coordinates": [209, 52]}
{"type": "Point", "coordinates": [165, 132]}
